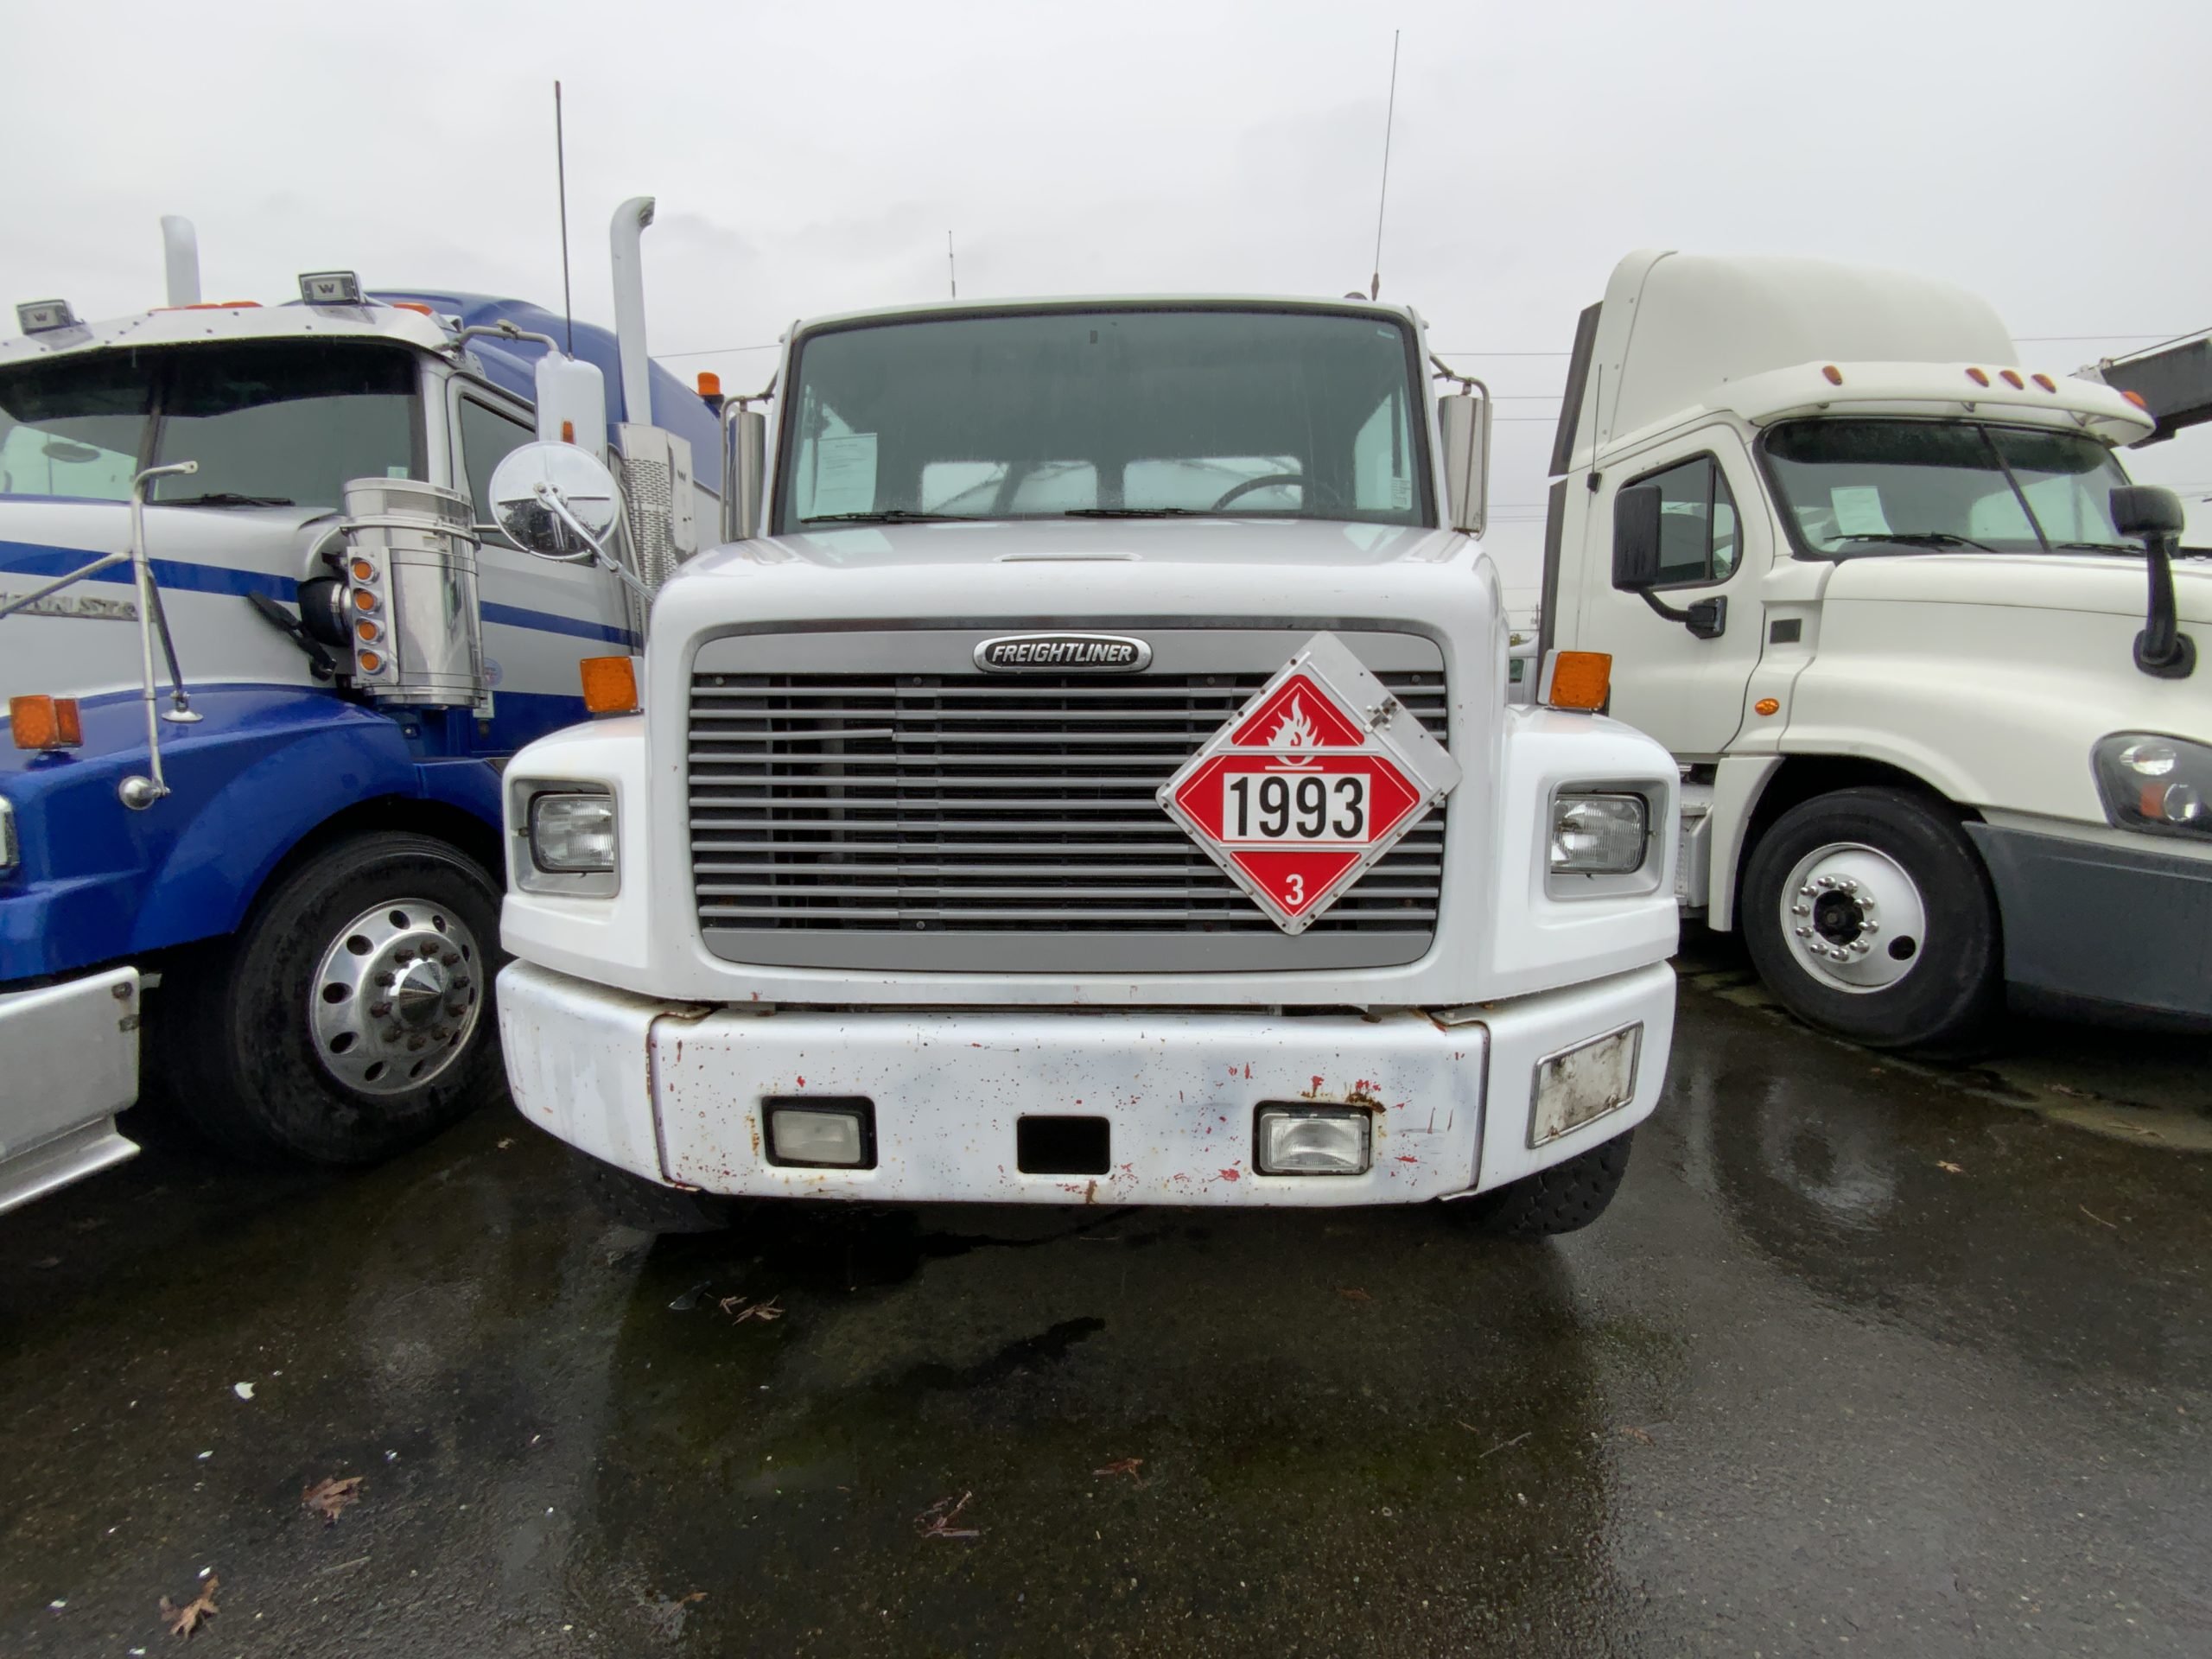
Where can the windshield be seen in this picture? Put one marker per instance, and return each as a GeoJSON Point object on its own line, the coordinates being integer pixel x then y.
{"type": "Point", "coordinates": [276, 423]}
{"type": "Point", "coordinates": [1135, 413]}
{"type": "Point", "coordinates": [1852, 486]}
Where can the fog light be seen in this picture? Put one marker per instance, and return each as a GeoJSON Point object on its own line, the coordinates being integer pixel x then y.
{"type": "Point", "coordinates": [815, 1135]}
{"type": "Point", "coordinates": [1312, 1140]}
{"type": "Point", "coordinates": [1581, 1083]}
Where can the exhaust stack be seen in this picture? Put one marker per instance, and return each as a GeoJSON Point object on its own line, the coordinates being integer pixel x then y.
{"type": "Point", "coordinates": [629, 226]}
{"type": "Point", "coordinates": [181, 256]}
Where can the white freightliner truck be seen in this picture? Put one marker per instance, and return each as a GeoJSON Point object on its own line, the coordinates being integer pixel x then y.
{"type": "Point", "coordinates": [1925, 656]}
{"type": "Point", "coordinates": [1086, 775]}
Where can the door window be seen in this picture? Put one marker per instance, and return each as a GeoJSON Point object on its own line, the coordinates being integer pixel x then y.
{"type": "Point", "coordinates": [487, 439]}
{"type": "Point", "coordinates": [1698, 543]}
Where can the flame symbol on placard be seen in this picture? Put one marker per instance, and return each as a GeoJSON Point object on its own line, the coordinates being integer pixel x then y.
{"type": "Point", "coordinates": [1296, 732]}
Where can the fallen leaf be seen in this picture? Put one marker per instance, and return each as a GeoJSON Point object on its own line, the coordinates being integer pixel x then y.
{"type": "Point", "coordinates": [2075, 1094]}
{"type": "Point", "coordinates": [1123, 1466]}
{"type": "Point", "coordinates": [1354, 1296]}
{"type": "Point", "coordinates": [183, 1621]}
{"type": "Point", "coordinates": [328, 1498]}
{"type": "Point", "coordinates": [1950, 1168]}
{"type": "Point", "coordinates": [935, 1521]}
{"type": "Point", "coordinates": [1634, 1433]}
{"type": "Point", "coordinates": [739, 1312]}
{"type": "Point", "coordinates": [2099, 1219]}
{"type": "Point", "coordinates": [244, 1391]}
{"type": "Point", "coordinates": [505, 1142]}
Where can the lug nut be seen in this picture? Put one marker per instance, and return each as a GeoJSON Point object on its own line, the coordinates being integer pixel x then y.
{"type": "Point", "coordinates": [378, 1010]}
{"type": "Point", "coordinates": [386, 980]}
{"type": "Point", "coordinates": [451, 959]}
{"type": "Point", "coordinates": [414, 1043]}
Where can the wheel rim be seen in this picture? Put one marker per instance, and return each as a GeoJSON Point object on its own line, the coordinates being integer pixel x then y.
{"type": "Point", "coordinates": [1853, 917]}
{"type": "Point", "coordinates": [396, 997]}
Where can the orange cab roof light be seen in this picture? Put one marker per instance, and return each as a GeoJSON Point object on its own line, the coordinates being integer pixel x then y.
{"type": "Point", "coordinates": [1579, 679]}
{"type": "Point", "coordinates": [2045, 382]}
{"type": "Point", "coordinates": [2136, 398]}
{"type": "Point", "coordinates": [44, 722]}
{"type": "Point", "coordinates": [610, 684]}
{"type": "Point", "coordinates": [413, 305]}
{"type": "Point", "coordinates": [710, 383]}
{"type": "Point", "coordinates": [2012, 378]}
{"type": "Point", "coordinates": [1979, 377]}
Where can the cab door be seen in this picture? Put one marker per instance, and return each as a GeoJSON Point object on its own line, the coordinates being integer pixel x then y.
{"type": "Point", "coordinates": [1685, 690]}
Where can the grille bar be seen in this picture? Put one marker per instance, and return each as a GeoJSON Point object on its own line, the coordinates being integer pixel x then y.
{"type": "Point", "coordinates": [893, 806]}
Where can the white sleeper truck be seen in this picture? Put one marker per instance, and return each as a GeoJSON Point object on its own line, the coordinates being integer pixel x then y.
{"type": "Point", "coordinates": [1086, 776]}
{"type": "Point", "coordinates": [1931, 666]}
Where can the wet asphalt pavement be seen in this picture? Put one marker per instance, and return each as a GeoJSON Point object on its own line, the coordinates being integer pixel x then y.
{"type": "Point", "coordinates": [1866, 1358]}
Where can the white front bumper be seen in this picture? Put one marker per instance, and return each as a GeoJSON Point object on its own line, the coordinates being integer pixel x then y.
{"type": "Point", "coordinates": [674, 1091]}
{"type": "Point", "coordinates": [69, 1064]}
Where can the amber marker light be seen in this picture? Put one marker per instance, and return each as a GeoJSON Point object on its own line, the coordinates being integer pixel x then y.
{"type": "Point", "coordinates": [1979, 377]}
{"type": "Point", "coordinates": [44, 722]}
{"type": "Point", "coordinates": [2136, 398]}
{"type": "Point", "coordinates": [368, 661]}
{"type": "Point", "coordinates": [2012, 378]}
{"type": "Point", "coordinates": [365, 629]}
{"type": "Point", "coordinates": [1834, 375]}
{"type": "Point", "coordinates": [610, 684]}
{"type": "Point", "coordinates": [1580, 679]}
{"type": "Point", "coordinates": [2045, 381]}
{"type": "Point", "coordinates": [364, 599]}
{"type": "Point", "coordinates": [1766, 706]}
{"type": "Point", "coordinates": [364, 571]}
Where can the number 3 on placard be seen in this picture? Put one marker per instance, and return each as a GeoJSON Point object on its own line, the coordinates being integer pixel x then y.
{"type": "Point", "coordinates": [1297, 884]}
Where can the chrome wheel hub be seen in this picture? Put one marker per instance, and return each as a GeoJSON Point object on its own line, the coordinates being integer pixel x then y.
{"type": "Point", "coordinates": [1853, 917]}
{"type": "Point", "coordinates": [397, 995]}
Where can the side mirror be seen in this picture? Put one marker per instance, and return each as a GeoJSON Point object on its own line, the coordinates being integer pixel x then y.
{"type": "Point", "coordinates": [1464, 422]}
{"type": "Point", "coordinates": [745, 474]}
{"type": "Point", "coordinates": [1636, 537]}
{"type": "Point", "coordinates": [556, 500]}
{"type": "Point", "coordinates": [2146, 512]}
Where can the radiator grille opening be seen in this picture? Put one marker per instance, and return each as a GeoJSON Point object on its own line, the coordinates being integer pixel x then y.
{"type": "Point", "coordinates": [934, 805]}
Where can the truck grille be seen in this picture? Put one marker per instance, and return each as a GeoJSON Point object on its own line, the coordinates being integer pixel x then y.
{"type": "Point", "coordinates": [943, 808]}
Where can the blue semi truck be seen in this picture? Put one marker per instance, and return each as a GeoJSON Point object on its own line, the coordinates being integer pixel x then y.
{"type": "Point", "coordinates": [250, 842]}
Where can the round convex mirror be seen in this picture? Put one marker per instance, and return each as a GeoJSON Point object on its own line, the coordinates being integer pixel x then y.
{"type": "Point", "coordinates": [524, 485]}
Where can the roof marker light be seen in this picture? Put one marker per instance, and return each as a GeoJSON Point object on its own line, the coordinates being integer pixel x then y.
{"type": "Point", "coordinates": [330, 288]}
{"type": "Point", "coordinates": [2136, 398]}
{"type": "Point", "coordinates": [44, 316]}
{"type": "Point", "coordinates": [1834, 375]}
{"type": "Point", "coordinates": [413, 305]}
{"type": "Point", "coordinates": [2045, 382]}
{"type": "Point", "coordinates": [1978, 377]}
{"type": "Point", "coordinates": [710, 383]}
{"type": "Point", "coordinates": [2012, 378]}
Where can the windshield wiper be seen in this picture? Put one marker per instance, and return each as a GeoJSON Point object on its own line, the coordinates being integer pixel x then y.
{"type": "Point", "coordinates": [1922, 538]}
{"type": "Point", "coordinates": [2102, 547]}
{"type": "Point", "coordinates": [226, 498]}
{"type": "Point", "coordinates": [891, 516]}
{"type": "Point", "coordinates": [1136, 512]}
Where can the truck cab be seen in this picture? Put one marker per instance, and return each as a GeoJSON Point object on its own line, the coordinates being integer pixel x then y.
{"type": "Point", "coordinates": [1860, 569]}
{"type": "Point", "coordinates": [908, 879]}
{"type": "Point", "coordinates": [249, 807]}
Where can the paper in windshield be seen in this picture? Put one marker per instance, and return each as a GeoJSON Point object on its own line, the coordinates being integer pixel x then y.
{"type": "Point", "coordinates": [844, 474]}
{"type": "Point", "coordinates": [1858, 510]}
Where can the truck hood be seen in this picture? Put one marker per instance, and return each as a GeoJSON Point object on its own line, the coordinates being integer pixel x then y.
{"type": "Point", "coordinates": [2108, 584]}
{"type": "Point", "coordinates": [1304, 542]}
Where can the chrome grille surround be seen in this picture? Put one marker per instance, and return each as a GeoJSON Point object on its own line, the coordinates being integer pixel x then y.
{"type": "Point", "coordinates": [870, 801]}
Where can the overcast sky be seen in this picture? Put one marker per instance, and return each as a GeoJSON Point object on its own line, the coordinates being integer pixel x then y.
{"type": "Point", "coordinates": [2050, 155]}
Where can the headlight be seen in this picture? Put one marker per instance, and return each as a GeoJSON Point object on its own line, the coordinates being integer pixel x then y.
{"type": "Point", "coordinates": [572, 834]}
{"type": "Point", "coordinates": [10, 855]}
{"type": "Point", "coordinates": [2160, 784]}
{"type": "Point", "coordinates": [1598, 835]}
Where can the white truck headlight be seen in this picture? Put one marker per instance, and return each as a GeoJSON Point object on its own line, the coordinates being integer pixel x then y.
{"type": "Point", "coordinates": [1598, 835]}
{"type": "Point", "coordinates": [2160, 784]}
{"type": "Point", "coordinates": [571, 841]}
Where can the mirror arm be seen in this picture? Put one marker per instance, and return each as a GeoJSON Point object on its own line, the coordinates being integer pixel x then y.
{"type": "Point", "coordinates": [1707, 618]}
{"type": "Point", "coordinates": [2162, 650]}
{"type": "Point", "coordinates": [558, 506]}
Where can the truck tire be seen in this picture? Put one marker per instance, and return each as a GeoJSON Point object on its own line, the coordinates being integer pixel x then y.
{"type": "Point", "coordinates": [1867, 911]}
{"type": "Point", "coordinates": [631, 1200]}
{"type": "Point", "coordinates": [1564, 1198]}
{"type": "Point", "coordinates": [351, 1016]}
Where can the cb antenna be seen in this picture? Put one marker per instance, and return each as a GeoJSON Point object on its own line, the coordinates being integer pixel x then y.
{"type": "Point", "coordinates": [561, 171]}
{"type": "Point", "coordinates": [1383, 198]}
{"type": "Point", "coordinates": [951, 271]}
